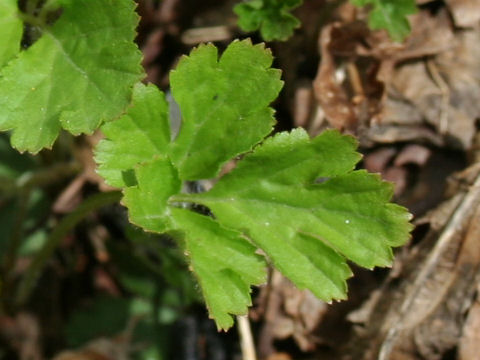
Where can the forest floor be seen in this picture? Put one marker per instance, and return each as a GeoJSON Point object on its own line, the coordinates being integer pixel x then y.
{"type": "Point", "coordinates": [414, 108]}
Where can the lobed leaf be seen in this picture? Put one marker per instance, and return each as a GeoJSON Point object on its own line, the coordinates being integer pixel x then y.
{"type": "Point", "coordinates": [272, 17]}
{"type": "Point", "coordinates": [140, 135]}
{"type": "Point", "coordinates": [78, 74]}
{"type": "Point", "coordinates": [224, 262]}
{"type": "Point", "coordinates": [304, 226]}
{"type": "Point", "coordinates": [390, 15]}
{"type": "Point", "coordinates": [224, 105]}
{"type": "Point", "coordinates": [298, 199]}
{"type": "Point", "coordinates": [12, 30]}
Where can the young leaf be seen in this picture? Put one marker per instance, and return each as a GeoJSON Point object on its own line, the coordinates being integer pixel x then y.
{"type": "Point", "coordinates": [390, 15]}
{"type": "Point", "coordinates": [78, 74]}
{"type": "Point", "coordinates": [304, 226]}
{"type": "Point", "coordinates": [222, 99]}
{"type": "Point", "coordinates": [12, 29]}
{"type": "Point", "coordinates": [137, 137]}
{"type": "Point", "coordinates": [225, 264]}
{"type": "Point", "coordinates": [272, 17]}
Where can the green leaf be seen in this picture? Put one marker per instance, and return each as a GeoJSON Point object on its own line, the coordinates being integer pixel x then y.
{"type": "Point", "coordinates": [299, 200]}
{"type": "Point", "coordinates": [307, 226]}
{"type": "Point", "coordinates": [12, 29]}
{"type": "Point", "coordinates": [224, 262]}
{"type": "Point", "coordinates": [272, 17]}
{"type": "Point", "coordinates": [78, 74]}
{"type": "Point", "coordinates": [222, 99]}
{"type": "Point", "coordinates": [147, 201]}
{"type": "Point", "coordinates": [138, 136]}
{"type": "Point", "coordinates": [390, 15]}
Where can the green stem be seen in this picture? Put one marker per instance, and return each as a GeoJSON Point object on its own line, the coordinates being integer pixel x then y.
{"type": "Point", "coordinates": [180, 198]}
{"type": "Point", "coordinates": [48, 176]}
{"type": "Point", "coordinates": [13, 244]}
{"type": "Point", "coordinates": [30, 19]}
{"type": "Point", "coordinates": [39, 178]}
{"type": "Point", "coordinates": [16, 236]}
{"type": "Point", "coordinates": [66, 224]}
{"type": "Point", "coordinates": [47, 8]}
{"type": "Point", "coordinates": [31, 7]}
{"type": "Point", "coordinates": [50, 5]}
{"type": "Point", "coordinates": [21, 188]}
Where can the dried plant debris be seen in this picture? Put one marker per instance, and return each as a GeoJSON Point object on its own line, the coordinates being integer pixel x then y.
{"type": "Point", "coordinates": [447, 99]}
{"type": "Point", "coordinates": [466, 13]}
{"type": "Point", "coordinates": [422, 311]}
{"type": "Point", "coordinates": [331, 96]}
{"type": "Point", "coordinates": [429, 86]}
{"type": "Point", "coordinates": [289, 313]}
{"type": "Point", "coordinates": [470, 339]}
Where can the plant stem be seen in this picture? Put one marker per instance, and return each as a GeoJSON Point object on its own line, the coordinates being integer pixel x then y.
{"type": "Point", "coordinates": [16, 235]}
{"type": "Point", "coordinates": [246, 338]}
{"type": "Point", "coordinates": [38, 178]}
{"type": "Point", "coordinates": [180, 198]}
{"type": "Point", "coordinates": [31, 7]}
{"type": "Point", "coordinates": [48, 176]}
{"type": "Point", "coordinates": [30, 19]}
{"type": "Point", "coordinates": [21, 188]}
{"type": "Point", "coordinates": [63, 228]}
{"type": "Point", "coordinates": [48, 7]}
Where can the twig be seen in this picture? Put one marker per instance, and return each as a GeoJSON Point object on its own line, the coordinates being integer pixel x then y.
{"type": "Point", "coordinates": [246, 338]}
{"type": "Point", "coordinates": [445, 92]}
{"type": "Point", "coordinates": [458, 221]}
{"type": "Point", "coordinates": [355, 79]}
{"type": "Point", "coordinates": [206, 34]}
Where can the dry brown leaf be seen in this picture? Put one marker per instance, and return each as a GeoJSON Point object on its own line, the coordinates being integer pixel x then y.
{"type": "Point", "coordinates": [422, 316]}
{"type": "Point", "coordinates": [468, 348]}
{"type": "Point", "coordinates": [466, 13]}
{"type": "Point", "coordinates": [329, 93]}
{"type": "Point", "coordinates": [290, 312]}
